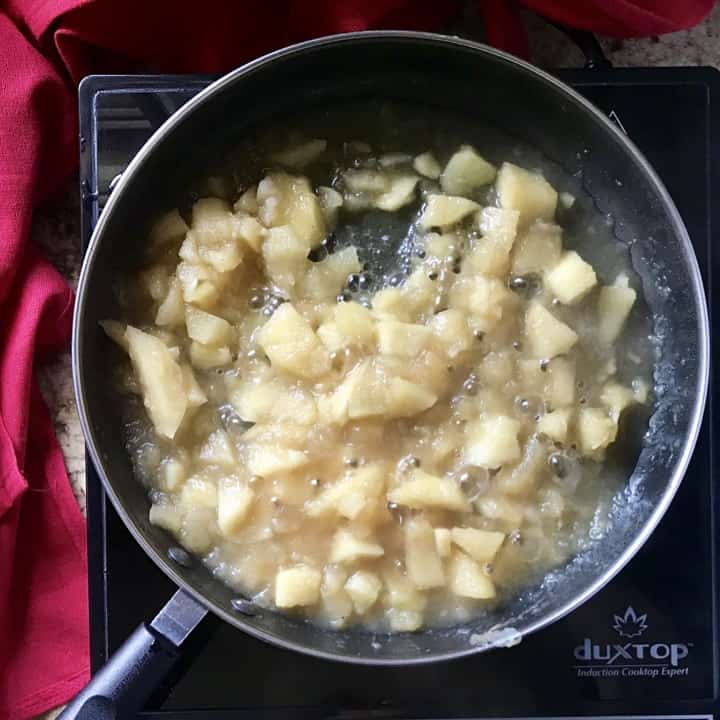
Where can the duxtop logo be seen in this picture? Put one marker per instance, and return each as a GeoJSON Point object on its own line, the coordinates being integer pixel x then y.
{"type": "Point", "coordinates": [631, 659]}
{"type": "Point", "coordinates": [630, 625]}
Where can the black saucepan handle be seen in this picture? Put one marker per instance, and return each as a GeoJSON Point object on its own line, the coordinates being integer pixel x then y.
{"type": "Point", "coordinates": [588, 45]}
{"type": "Point", "coordinates": [122, 686]}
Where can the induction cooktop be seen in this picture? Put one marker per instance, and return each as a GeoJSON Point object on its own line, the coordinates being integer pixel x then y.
{"type": "Point", "coordinates": [645, 646]}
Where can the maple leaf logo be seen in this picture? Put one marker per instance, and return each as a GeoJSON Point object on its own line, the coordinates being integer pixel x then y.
{"type": "Point", "coordinates": [630, 625]}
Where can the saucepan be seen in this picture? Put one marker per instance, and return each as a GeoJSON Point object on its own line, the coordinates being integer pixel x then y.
{"type": "Point", "coordinates": [497, 90]}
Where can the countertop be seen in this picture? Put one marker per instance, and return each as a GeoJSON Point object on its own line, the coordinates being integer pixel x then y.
{"type": "Point", "coordinates": [56, 226]}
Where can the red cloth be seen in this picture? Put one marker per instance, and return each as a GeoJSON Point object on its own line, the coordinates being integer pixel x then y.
{"type": "Point", "coordinates": [45, 48]}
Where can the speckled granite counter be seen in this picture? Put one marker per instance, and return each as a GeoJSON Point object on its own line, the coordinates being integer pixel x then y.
{"type": "Point", "coordinates": [56, 226]}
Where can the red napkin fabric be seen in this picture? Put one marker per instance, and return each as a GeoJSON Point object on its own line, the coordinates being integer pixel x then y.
{"type": "Point", "coordinates": [46, 47]}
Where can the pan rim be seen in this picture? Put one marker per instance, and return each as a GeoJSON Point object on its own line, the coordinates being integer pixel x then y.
{"type": "Point", "coordinates": [206, 95]}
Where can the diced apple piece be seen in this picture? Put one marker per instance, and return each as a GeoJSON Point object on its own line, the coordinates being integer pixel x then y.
{"type": "Point", "coordinates": [429, 370]}
{"type": "Point", "coordinates": [404, 620]}
{"type": "Point", "coordinates": [498, 507]}
{"type": "Point", "coordinates": [205, 357]}
{"type": "Point", "coordinates": [555, 425]}
{"type": "Point", "coordinates": [640, 390]}
{"type": "Point", "coordinates": [350, 495]}
{"type": "Point", "coordinates": [485, 299]}
{"type": "Point", "coordinates": [160, 378]}
{"type": "Point", "coordinates": [200, 283]}
{"type": "Point", "coordinates": [206, 328]}
{"type": "Point", "coordinates": [402, 339]}
{"type": "Point", "coordinates": [480, 545]}
{"type": "Point", "coordinates": [251, 231]}
{"type": "Point", "coordinates": [171, 311]}
{"type": "Point", "coordinates": [366, 181]}
{"type": "Point", "coordinates": [285, 257]}
{"type": "Point", "coordinates": [567, 200]}
{"type": "Point", "coordinates": [289, 435]}
{"type": "Point", "coordinates": [571, 279]}
{"type": "Point", "coordinates": [401, 593]}
{"type": "Point", "coordinates": [247, 202]}
{"type": "Point", "coordinates": [538, 248]}
{"type": "Point", "coordinates": [215, 233]}
{"type": "Point", "coordinates": [267, 460]}
{"type": "Point", "coordinates": [451, 331]}
{"type": "Point", "coordinates": [355, 324]}
{"type": "Point", "coordinates": [492, 441]}
{"type": "Point", "coordinates": [155, 281]}
{"type": "Point", "coordinates": [419, 293]}
{"type": "Point", "coordinates": [405, 398]}
{"type": "Point", "coordinates": [169, 228]}
{"type": "Point", "coordinates": [222, 258]}
{"type": "Point", "coordinates": [490, 255]}
{"type": "Point", "coordinates": [495, 369]}
{"type": "Point", "coordinates": [363, 587]}
{"type": "Point", "coordinates": [330, 203]}
{"type": "Point", "coordinates": [196, 532]}
{"type": "Point", "coordinates": [199, 492]}
{"type": "Point", "coordinates": [423, 490]}
{"type": "Point", "coordinates": [529, 193]}
{"type": "Point", "coordinates": [218, 450]}
{"type": "Point", "coordinates": [390, 303]}
{"type": "Point", "coordinates": [426, 165]}
{"type": "Point", "coordinates": [300, 155]}
{"type": "Point", "coordinates": [291, 345]}
{"type": "Point", "coordinates": [195, 394]}
{"type": "Point", "coordinates": [440, 245]}
{"type": "Point", "coordinates": [424, 566]}
{"type": "Point", "coordinates": [335, 609]}
{"type": "Point", "coordinates": [595, 429]}
{"type": "Point", "coordinates": [297, 586]}
{"type": "Point", "coordinates": [445, 210]}
{"type": "Point", "coordinates": [336, 606]}
{"type": "Point", "coordinates": [551, 502]}
{"type": "Point", "coordinates": [443, 542]}
{"type": "Point", "coordinates": [365, 392]}
{"type": "Point", "coordinates": [330, 336]}
{"type": "Point", "coordinates": [324, 280]}
{"type": "Point", "coordinates": [272, 401]}
{"type": "Point", "coordinates": [466, 171]}
{"type": "Point", "coordinates": [168, 517]}
{"type": "Point", "coordinates": [522, 479]}
{"type": "Point", "coordinates": [401, 193]}
{"type": "Point", "coordinates": [234, 501]}
{"type": "Point", "coordinates": [346, 548]}
{"type": "Point", "coordinates": [554, 381]}
{"type": "Point", "coordinates": [467, 579]}
{"type": "Point", "coordinates": [173, 473]}
{"type": "Point", "coordinates": [334, 578]}
{"type": "Point", "coordinates": [334, 408]}
{"type": "Point", "coordinates": [211, 217]}
{"type": "Point", "coordinates": [613, 307]}
{"type": "Point", "coordinates": [547, 336]}
{"type": "Point", "coordinates": [287, 200]}
{"type": "Point", "coordinates": [389, 160]}
{"type": "Point", "coordinates": [559, 386]}
{"type": "Point", "coordinates": [616, 398]}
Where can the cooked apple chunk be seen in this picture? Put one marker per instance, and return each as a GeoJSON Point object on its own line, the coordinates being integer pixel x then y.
{"type": "Point", "coordinates": [546, 335]}
{"type": "Point", "coordinates": [291, 345]}
{"type": "Point", "coordinates": [423, 490]}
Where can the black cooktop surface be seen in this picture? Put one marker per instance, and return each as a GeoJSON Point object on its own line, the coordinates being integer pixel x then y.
{"type": "Point", "coordinates": [645, 646]}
